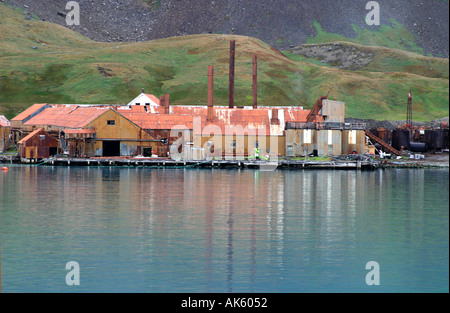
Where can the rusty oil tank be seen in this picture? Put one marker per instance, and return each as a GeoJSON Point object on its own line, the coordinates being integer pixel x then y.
{"type": "Point", "coordinates": [400, 138]}
{"type": "Point", "coordinates": [436, 139]}
{"type": "Point", "coordinates": [385, 135]}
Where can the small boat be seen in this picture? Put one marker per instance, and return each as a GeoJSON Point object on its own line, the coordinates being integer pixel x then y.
{"type": "Point", "coordinates": [268, 166]}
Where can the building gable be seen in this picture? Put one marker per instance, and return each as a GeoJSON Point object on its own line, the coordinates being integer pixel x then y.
{"type": "Point", "coordinates": [145, 99]}
{"type": "Point", "coordinates": [113, 125]}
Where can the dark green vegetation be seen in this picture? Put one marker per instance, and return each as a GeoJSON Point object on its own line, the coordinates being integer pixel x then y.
{"type": "Point", "coordinates": [42, 62]}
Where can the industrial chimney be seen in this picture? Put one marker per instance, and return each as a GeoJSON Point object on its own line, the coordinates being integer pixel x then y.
{"type": "Point", "coordinates": [275, 117]}
{"type": "Point", "coordinates": [162, 103]}
{"type": "Point", "coordinates": [232, 61]}
{"type": "Point", "coordinates": [210, 116]}
{"type": "Point", "coordinates": [167, 104]}
{"type": "Point", "coordinates": [255, 82]}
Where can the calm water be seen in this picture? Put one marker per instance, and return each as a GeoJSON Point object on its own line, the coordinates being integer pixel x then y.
{"type": "Point", "coordinates": [155, 230]}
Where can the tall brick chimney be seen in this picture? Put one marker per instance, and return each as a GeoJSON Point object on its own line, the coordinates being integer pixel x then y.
{"type": "Point", "coordinates": [255, 82]}
{"type": "Point", "coordinates": [162, 103]}
{"type": "Point", "coordinates": [167, 103]}
{"type": "Point", "coordinates": [232, 61]}
{"type": "Point", "coordinates": [275, 120]}
{"type": "Point", "coordinates": [210, 116]}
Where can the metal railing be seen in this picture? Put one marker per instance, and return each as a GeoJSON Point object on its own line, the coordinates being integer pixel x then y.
{"type": "Point", "coordinates": [326, 125]}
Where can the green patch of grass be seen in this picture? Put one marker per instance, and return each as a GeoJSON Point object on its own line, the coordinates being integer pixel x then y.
{"type": "Point", "coordinates": [394, 36]}
{"type": "Point", "coordinates": [155, 4]}
{"type": "Point", "coordinates": [74, 69]}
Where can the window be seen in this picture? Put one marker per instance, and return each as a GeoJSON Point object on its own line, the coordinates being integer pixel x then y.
{"type": "Point", "coordinates": [290, 151]}
{"type": "Point", "coordinates": [233, 144]}
{"type": "Point", "coordinates": [111, 123]}
{"type": "Point", "coordinates": [307, 136]}
{"type": "Point", "coordinates": [256, 144]}
{"type": "Point", "coordinates": [42, 137]}
{"type": "Point", "coordinates": [352, 137]}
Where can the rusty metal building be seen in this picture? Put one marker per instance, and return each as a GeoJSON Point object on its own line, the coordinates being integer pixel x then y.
{"type": "Point", "coordinates": [38, 145]}
{"type": "Point", "coordinates": [5, 129]}
{"type": "Point", "coordinates": [87, 131]}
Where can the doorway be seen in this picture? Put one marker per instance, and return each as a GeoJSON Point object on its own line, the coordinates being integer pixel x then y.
{"type": "Point", "coordinates": [111, 148]}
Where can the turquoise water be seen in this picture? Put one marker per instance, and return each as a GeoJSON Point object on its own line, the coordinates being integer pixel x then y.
{"type": "Point", "coordinates": [156, 230]}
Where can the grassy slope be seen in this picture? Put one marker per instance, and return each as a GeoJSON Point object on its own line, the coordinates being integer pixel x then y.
{"type": "Point", "coordinates": [70, 68]}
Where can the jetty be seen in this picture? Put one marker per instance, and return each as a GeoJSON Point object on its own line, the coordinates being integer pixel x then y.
{"type": "Point", "coordinates": [211, 164]}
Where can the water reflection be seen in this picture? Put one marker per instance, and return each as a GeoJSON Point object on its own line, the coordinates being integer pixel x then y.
{"type": "Point", "coordinates": [221, 231]}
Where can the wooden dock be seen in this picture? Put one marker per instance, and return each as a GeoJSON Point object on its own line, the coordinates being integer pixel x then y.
{"type": "Point", "coordinates": [211, 164]}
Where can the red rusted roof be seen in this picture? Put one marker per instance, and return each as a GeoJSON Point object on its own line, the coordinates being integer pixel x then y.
{"type": "Point", "coordinates": [159, 121]}
{"type": "Point", "coordinates": [245, 120]}
{"type": "Point", "coordinates": [153, 98]}
{"type": "Point", "coordinates": [291, 114]}
{"type": "Point", "coordinates": [28, 112]}
{"type": "Point", "coordinates": [4, 122]}
{"type": "Point", "coordinates": [67, 116]}
{"type": "Point", "coordinates": [237, 120]}
{"type": "Point", "coordinates": [31, 135]}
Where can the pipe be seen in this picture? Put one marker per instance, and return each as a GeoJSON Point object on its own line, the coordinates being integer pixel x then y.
{"type": "Point", "coordinates": [167, 103]}
{"type": "Point", "coordinates": [255, 82]}
{"type": "Point", "coordinates": [210, 116]}
{"type": "Point", "coordinates": [162, 102]}
{"type": "Point", "coordinates": [275, 117]}
{"type": "Point", "coordinates": [232, 65]}
{"type": "Point", "coordinates": [127, 140]}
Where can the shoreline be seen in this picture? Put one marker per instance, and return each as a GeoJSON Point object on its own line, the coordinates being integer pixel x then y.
{"type": "Point", "coordinates": [357, 162]}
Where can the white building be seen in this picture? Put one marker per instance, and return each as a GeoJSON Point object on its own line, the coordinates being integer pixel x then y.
{"type": "Point", "coordinates": [145, 99]}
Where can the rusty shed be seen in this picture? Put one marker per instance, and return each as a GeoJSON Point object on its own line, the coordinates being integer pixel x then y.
{"type": "Point", "coordinates": [5, 127]}
{"type": "Point", "coordinates": [38, 145]}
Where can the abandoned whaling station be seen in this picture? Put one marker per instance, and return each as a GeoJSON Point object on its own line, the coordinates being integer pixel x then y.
{"type": "Point", "coordinates": [149, 131]}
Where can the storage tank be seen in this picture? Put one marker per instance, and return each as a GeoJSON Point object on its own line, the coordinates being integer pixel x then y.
{"type": "Point", "coordinates": [400, 138]}
{"type": "Point", "coordinates": [418, 147]}
{"type": "Point", "coordinates": [435, 139]}
{"type": "Point", "coordinates": [385, 135]}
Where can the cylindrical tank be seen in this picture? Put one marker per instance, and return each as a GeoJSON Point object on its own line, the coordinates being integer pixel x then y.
{"type": "Point", "coordinates": [435, 139]}
{"type": "Point", "coordinates": [446, 136]}
{"type": "Point", "coordinates": [418, 147]}
{"type": "Point", "coordinates": [439, 139]}
{"type": "Point", "coordinates": [385, 135]}
{"type": "Point", "coordinates": [400, 138]}
{"type": "Point", "coordinates": [374, 131]}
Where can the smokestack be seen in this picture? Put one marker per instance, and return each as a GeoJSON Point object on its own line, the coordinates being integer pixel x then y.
{"type": "Point", "coordinates": [162, 103]}
{"type": "Point", "coordinates": [255, 82]}
{"type": "Point", "coordinates": [210, 116]}
{"type": "Point", "coordinates": [232, 60]}
{"type": "Point", "coordinates": [275, 120]}
{"type": "Point", "coordinates": [167, 103]}
{"type": "Point", "coordinates": [409, 113]}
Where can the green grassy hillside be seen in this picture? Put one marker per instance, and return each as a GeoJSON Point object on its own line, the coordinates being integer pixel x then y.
{"type": "Point", "coordinates": [43, 62]}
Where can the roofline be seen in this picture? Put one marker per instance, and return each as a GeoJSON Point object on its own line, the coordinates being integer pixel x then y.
{"type": "Point", "coordinates": [111, 109]}
{"type": "Point", "coordinates": [32, 114]}
{"type": "Point", "coordinates": [30, 135]}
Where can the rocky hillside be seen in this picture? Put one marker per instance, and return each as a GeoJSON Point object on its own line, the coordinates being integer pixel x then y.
{"type": "Point", "coordinates": [42, 62]}
{"type": "Point", "coordinates": [280, 23]}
